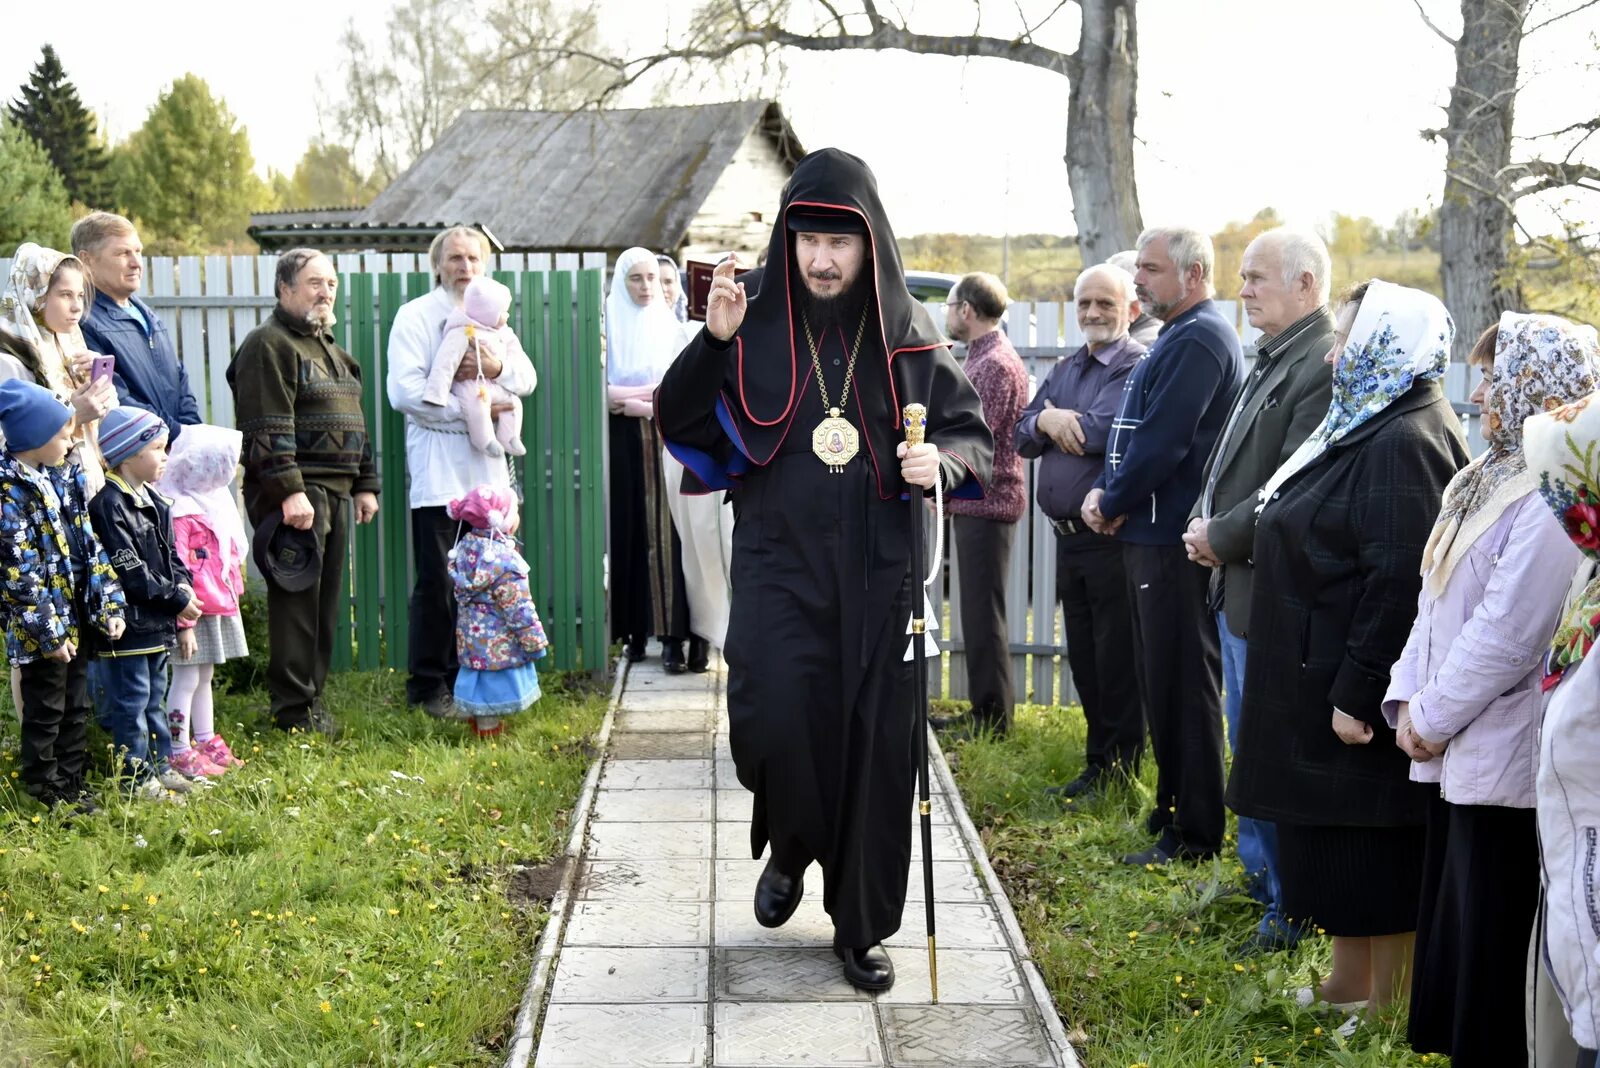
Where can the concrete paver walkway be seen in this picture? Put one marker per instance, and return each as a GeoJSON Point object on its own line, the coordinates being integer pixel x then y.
{"type": "Point", "coordinates": [653, 956]}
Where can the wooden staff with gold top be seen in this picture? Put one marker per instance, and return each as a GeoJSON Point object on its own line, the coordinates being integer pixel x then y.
{"type": "Point", "coordinates": [915, 422]}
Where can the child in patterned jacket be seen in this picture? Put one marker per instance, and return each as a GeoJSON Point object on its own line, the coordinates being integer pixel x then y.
{"type": "Point", "coordinates": [55, 581]}
{"type": "Point", "coordinates": [479, 327]}
{"type": "Point", "coordinates": [498, 633]}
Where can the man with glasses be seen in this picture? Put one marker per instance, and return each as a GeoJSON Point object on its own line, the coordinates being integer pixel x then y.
{"type": "Point", "coordinates": [982, 530]}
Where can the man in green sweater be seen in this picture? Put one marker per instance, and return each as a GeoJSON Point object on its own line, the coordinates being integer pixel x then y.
{"type": "Point", "coordinates": [297, 398]}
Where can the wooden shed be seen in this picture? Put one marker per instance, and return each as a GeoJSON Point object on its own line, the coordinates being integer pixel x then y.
{"type": "Point", "coordinates": [689, 181]}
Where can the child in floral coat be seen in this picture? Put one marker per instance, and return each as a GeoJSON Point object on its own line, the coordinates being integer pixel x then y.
{"type": "Point", "coordinates": [498, 633]}
{"type": "Point", "coordinates": [57, 587]}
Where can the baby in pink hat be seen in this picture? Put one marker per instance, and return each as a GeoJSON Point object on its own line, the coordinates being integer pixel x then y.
{"type": "Point", "coordinates": [479, 326]}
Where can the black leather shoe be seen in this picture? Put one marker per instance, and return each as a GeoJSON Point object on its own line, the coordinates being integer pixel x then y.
{"type": "Point", "coordinates": [699, 655]}
{"type": "Point", "coordinates": [866, 969]}
{"type": "Point", "coordinates": [777, 896]}
{"type": "Point", "coordinates": [1166, 851]}
{"type": "Point", "coordinates": [1089, 785]}
{"type": "Point", "coordinates": [672, 656]}
{"type": "Point", "coordinates": [634, 650]}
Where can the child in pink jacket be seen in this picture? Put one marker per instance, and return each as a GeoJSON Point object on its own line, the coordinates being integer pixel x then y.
{"type": "Point", "coordinates": [479, 327]}
{"type": "Point", "coordinates": [210, 539]}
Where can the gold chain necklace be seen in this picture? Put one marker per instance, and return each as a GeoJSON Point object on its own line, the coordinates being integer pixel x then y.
{"type": "Point", "coordinates": [835, 442]}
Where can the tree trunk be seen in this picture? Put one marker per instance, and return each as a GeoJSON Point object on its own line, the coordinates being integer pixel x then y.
{"type": "Point", "coordinates": [1475, 219]}
{"type": "Point", "coordinates": [1101, 105]}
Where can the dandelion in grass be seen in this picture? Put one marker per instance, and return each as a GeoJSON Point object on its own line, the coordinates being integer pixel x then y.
{"type": "Point", "coordinates": [326, 1006]}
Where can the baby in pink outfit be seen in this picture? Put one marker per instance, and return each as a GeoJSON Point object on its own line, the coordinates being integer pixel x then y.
{"type": "Point", "coordinates": [479, 325]}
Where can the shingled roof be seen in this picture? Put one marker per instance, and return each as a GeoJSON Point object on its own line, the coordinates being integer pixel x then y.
{"type": "Point", "coordinates": [581, 180]}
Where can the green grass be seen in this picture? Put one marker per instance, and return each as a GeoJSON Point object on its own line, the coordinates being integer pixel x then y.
{"type": "Point", "coordinates": [1138, 960]}
{"type": "Point", "coordinates": [345, 904]}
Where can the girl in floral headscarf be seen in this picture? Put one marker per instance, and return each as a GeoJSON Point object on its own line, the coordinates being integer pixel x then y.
{"type": "Point", "coordinates": [1464, 698]}
{"type": "Point", "coordinates": [1563, 451]}
{"type": "Point", "coordinates": [44, 300]}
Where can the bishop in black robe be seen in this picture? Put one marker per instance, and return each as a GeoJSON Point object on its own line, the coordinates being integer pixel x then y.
{"type": "Point", "coordinates": [819, 694]}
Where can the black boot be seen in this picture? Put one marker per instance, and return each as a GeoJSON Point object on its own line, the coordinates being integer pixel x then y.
{"type": "Point", "coordinates": [672, 655]}
{"type": "Point", "coordinates": [699, 655]}
{"type": "Point", "coordinates": [866, 969]}
{"type": "Point", "coordinates": [634, 650]}
{"type": "Point", "coordinates": [777, 896]}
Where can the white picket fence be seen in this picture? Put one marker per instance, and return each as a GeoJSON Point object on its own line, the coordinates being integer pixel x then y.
{"type": "Point", "coordinates": [210, 303]}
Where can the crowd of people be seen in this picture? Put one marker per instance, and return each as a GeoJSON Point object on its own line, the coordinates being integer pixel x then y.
{"type": "Point", "coordinates": [1303, 562]}
{"type": "Point", "coordinates": [1288, 552]}
{"type": "Point", "coordinates": [122, 547]}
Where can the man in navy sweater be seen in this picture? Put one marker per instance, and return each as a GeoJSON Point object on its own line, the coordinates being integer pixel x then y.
{"type": "Point", "coordinates": [1174, 405]}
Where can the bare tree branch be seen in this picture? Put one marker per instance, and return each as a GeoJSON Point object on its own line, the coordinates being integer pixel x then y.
{"type": "Point", "coordinates": [1546, 176]}
{"type": "Point", "coordinates": [1557, 18]}
{"type": "Point", "coordinates": [1445, 37]}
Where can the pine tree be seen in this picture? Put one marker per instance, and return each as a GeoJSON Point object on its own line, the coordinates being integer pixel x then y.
{"type": "Point", "coordinates": [50, 111]}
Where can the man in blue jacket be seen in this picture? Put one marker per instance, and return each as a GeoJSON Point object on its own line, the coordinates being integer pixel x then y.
{"type": "Point", "coordinates": [117, 323]}
{"type": "Point", "coordinates": [1174, 405]}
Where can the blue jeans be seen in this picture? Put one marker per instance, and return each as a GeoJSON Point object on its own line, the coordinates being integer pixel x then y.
{"type": "Point", "coordinates": [129, 694]}
{"type": "Point", "coordinates": [1258, 839]}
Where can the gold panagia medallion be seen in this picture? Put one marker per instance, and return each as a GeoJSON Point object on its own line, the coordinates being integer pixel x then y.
{"type": "Point", "coordinates": [835, 442]}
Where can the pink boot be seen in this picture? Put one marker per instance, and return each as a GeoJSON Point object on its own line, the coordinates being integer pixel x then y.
{"type": "Point", "coordinates": [193, 764]}
{"type": "Point", "coordinates": [217, 751]}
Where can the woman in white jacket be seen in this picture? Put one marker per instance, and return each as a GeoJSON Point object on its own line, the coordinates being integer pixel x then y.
{"type": "Point", "coordinates": [1563, 447]}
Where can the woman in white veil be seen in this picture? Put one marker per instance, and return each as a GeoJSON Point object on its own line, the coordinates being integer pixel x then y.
{"type": "Point", "coordinates": [643, 337]}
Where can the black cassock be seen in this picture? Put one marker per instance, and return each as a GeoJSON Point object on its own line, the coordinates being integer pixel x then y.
{"type": "Point", "coordinates": [819, 693]}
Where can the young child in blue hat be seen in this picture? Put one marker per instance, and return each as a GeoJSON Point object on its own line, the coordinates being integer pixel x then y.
{"type": "Point", "coordinates": [57, 589]}
{"type": "Point", "coordinates": [134, 522]}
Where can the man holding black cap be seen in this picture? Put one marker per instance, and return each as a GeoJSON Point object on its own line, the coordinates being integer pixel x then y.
{"type": "Point", "coordinates": [793, 398]}
{"type": "Point", "coordinates": [306, 453]}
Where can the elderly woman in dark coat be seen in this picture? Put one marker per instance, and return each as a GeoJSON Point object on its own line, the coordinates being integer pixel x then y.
{"type": "Point", "coordinates": [1338, 550]}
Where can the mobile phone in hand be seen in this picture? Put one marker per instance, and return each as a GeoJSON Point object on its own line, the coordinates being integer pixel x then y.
{"type": "Point", "coordinates": [102, 367]}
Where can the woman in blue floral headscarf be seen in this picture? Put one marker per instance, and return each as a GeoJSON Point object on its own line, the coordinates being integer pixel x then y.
{"type": "Point", "coordinates": [1337, 557]}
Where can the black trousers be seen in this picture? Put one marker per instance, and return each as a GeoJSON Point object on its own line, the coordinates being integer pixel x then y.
{"type": "Point", "coordinates": [1092, 586]}
{"type": "Point", "coordinates": [984, 547]}
{"type": "Point", "coordinates": [302, 626]}
{"type": "Point", "coordinates": [55, 727]}
{"type": "Point", "coordinates": [1180, 670]}
{"type": "Point", "coordinates": [1480, 893]}
{"type": "Point", "coordinates": [431, 657]}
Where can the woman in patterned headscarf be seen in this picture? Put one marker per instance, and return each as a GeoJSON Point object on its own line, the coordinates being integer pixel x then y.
{"type": "Point", "coordinates": [1464, 699]}
{"type": "Point", "coordinates": [1337, 552]}
{"type": "Point", "coordinates": [1563, 450]}
{"type": "Point", "coordinates": [44, 300]}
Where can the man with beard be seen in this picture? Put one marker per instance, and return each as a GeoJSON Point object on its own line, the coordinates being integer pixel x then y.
{"type": "Point", "coordinates": [440, 459]}
{"type": "Point", "coordinates": [793, 397]}
{"type": "Point", "coordinates": [1068, 423]}
{"type": "Point", "coordinates": [307, 452]}
{"type": "Point", "coordinates": [1173, 408]}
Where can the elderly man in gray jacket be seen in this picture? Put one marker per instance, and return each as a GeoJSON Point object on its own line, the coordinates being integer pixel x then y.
{"type": "Point", "coordinates": [1285, 397]}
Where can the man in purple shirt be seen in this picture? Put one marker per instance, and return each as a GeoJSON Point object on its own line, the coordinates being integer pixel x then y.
{"type": "Point", "coordinates": [1067, 424]}
{"type": "Point", "coordinates": [982, 530]}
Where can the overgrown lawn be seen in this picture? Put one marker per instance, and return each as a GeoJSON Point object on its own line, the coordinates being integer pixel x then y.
{"type": "Point", "coordinates": [365, 902]}
{"type": "Point", "coordinates": [1138, 960]}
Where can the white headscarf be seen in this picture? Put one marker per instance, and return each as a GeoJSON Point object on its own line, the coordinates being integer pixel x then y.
{"type": "Point", "coordinates": [641, 342]}
{"type": "Point", "coordinates": [1401, 336]}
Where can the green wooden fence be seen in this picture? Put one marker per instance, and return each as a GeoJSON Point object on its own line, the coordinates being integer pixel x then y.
{"type": "Point", "coordinates": [562, 478]}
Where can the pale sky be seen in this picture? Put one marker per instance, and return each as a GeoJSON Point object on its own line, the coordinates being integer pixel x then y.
{"type": "Point", "coordinates": [1308, 106]}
